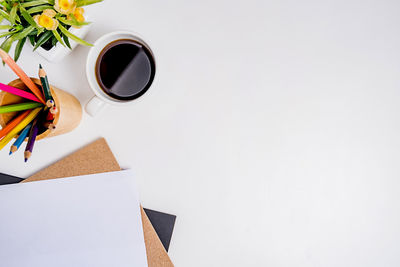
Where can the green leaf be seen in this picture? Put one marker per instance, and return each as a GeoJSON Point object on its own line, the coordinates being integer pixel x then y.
{"type": "Point", "coordinates": [51, 2]}
{"type": "Point", "coordinates": [36, 3]}
{"type": "Point", "coordinates": [54, 41]}
{"type": "Point", "coordinates": [24, 33]}
{"type": "Point", "coordinates": [58, 37]}
{"type": "Point", "coordinates": [86, 2]}
{"type": "Point", "coordinates": [38, 9]}
{"type": "Point", "coordinates": [18, 48]}
{"type": "Point", "coordinates": [6, 5]}
{"type": "Point", "coordinates": [32, 39]}
{"type": "Point", "coordinates": [17, 18]}
{"type": "Point", "coordinates": [4, 14]}
{"type": "Point", "coordinates": [28, 17]}
{"type": "Point", "coordinates": [39, 31]}
{"type": "Point", "coordinates": [34, 32]}
{"type": "Point", "coordinates": [42, 39]}
{"type": "Point", "coordinates": [5, 27]}
{"type": "Point", "coordinates": [4, 34]}
{"type": "Point", "coordinates": [66, 41]}
{"type": "Point", "coordinates": [13, 14]}
{"type": "Point", "coordinates": [18, 27]}
{"type": "Point", "coordinates": [73, 22]}
{"type": "Point", "coordinates": [73, 37]}
{"type": "Point", "coordinates": [6, 45]}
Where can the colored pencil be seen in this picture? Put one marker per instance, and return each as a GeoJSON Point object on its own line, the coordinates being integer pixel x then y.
{"type": "Point", "coordinates": [49, 125]}
{"type": "Point", "coordinates": [45, 84]}
{"type": "Point", "coordinates": [32, 138]}
{"type": "Point", "coordinates": [19, 107]}
{"type": "Point", "coordinates": [50, 103]}
{"type": "Point", "coordinates": [22, 75]}
{"type": "Point", "coordinates": [53, 110]}
{"type": "Point", "coordinates": [19, 127]}
{"type": "Point", "coordinates": [18, 92]}
{"type": "Point", "coordinates": [20, 139]}
{"type": "Point", "coordinates": [50, 116]}
{"type": "Point", "coordinates": [12, 124]}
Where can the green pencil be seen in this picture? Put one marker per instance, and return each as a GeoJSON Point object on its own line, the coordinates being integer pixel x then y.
{"type": "Point", "coordinates": [45, 84]}
{"type": "Point", "coordinates": [19, 107]}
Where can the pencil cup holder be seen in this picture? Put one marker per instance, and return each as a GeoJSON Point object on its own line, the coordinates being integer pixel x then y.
{"type": "Point", "coordinates": [69, 113]}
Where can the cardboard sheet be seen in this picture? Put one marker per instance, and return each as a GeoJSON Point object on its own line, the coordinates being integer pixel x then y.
{"type": "Point", "coordinates": [97, 158]}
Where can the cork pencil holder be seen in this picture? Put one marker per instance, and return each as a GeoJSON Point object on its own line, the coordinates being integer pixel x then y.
{"type": "Point", "coordinates": [69, 109]}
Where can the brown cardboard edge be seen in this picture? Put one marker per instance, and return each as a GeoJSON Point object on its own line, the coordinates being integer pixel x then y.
{"type": "Point", "coordinates": [154, 247]}
{"type": "Point", "coordinates": [95, 157]}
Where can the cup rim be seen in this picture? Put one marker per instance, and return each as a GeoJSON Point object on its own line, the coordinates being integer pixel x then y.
{"type": "Point", "coordinates": [95, 51]}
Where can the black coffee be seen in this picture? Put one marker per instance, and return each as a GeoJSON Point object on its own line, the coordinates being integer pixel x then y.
{"type": "Point", "coordinates": [125, 69]}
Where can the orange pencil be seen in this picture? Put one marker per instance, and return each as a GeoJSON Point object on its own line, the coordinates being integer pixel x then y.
{"type": "Point", "coordinates": [11, 125]}
{"type": "Point", "coordinates": [22, 75]}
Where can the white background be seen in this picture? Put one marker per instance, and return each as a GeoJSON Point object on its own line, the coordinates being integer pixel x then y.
{"type": "Point", "coordinates": [272, 130]}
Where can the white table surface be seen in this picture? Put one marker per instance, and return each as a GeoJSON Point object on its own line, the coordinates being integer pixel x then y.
{"type": "Point", "coordinates": [272, 130]}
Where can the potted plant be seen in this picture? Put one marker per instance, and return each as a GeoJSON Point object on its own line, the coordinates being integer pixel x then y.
{"type": "Point", "coordinates": [47, 24]}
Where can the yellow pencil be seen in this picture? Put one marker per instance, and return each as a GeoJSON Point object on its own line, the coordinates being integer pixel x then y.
{"type": "Point", "coordinates": [19, 127]}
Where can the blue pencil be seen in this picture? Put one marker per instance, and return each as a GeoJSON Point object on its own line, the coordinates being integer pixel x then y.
{"type": "Point", "coordinates": [20, 139]}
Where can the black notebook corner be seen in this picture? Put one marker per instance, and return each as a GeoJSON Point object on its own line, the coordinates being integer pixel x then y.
{"type": "Point", "coordinates": [164, 224]}
{"type": "Point", "coordinates": [9, 179]}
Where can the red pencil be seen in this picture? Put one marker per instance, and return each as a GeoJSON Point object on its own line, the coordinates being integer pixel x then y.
{"type": "Point", "coordinates": [53, 110]}
{"type": "Point", "coordinates": [50, 116]}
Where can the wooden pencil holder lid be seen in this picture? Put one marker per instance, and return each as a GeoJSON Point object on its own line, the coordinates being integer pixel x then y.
{"type": "Point", "coordinates": [69, 109]}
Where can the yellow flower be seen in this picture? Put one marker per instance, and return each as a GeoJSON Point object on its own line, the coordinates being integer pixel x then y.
{"type": "Point", "coordinates": [78, 14]}
{"type": "Point", "coordinates": [46, 20]}
{"type": "Point", "coordinates": [65, 6]}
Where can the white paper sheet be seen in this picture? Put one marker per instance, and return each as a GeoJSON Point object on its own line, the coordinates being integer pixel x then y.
{"type": "Point", "coordinates": [85, 221]}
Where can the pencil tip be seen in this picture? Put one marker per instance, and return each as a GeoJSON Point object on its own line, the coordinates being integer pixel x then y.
{"type": "Point", "coordinates": [40, 66]}
{"type": "Point", "coordinates": [10, 153]}
{"type": "Point", "coordinates": [26, 159]}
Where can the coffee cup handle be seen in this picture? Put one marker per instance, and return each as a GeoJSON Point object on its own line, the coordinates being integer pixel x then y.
{"type": "Point", "coordinates": [94, 106]}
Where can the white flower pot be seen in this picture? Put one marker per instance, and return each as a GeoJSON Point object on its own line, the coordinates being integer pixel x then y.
{"type": "Point", "coordinates": [58, 52]}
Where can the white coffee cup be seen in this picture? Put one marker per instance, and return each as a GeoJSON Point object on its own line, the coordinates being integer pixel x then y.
{"type": "Point", "coordinates": [101, 99]}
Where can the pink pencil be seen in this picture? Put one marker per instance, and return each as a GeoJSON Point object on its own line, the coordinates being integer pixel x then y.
{"type": "Point", "coordinates": [22, 75]}
{"type": "Point", "coordinates": [18, 92]}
